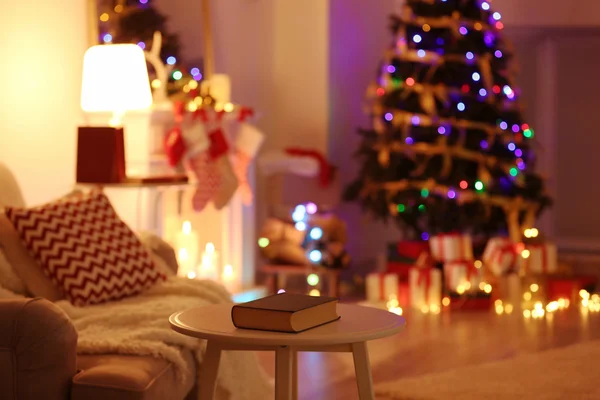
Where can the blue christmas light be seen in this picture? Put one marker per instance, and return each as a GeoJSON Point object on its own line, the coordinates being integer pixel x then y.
{"type": "Point", "coordinates": [440, 41]}
{"type": "Point", "coordinates": [451, 194]}
{"type": "Point", "coordinates": [315, 256]}
{"type": "Point", "coordinates": [483, 144]}
{"type": "Point", "coordinates": [461, 106]}
{"type": "Point", "coordinates": [195, 71]}
{"type": "Point", "coordinates": [391, 69]}
{"type": "Point", "coordinates": [497, 16]}
{"type": "Point", "coordinates": [442, 130]}
{"type": "Point", "coordinates": [107, 38]}
{"type": "Point", "coordinates": [409, 140]}
{"type": "Point", "coordinates": [389, 116]}
{"type": "Point", "coordinates": [415, 120]}
{"type": "Point", "coordinates": [417, 38]}
{"type": "Point", "coordinates": [470, 55]}
{"type": "Point", "coordinates": [512, 147]}
{"type": "Point", "coordinates": [521, 165]}
{"type": "Point", "coordinates": [421, 53]}
{"type": "Point", "coordinates": [301, 226]}
{"type": "Point", "coordinates": [425, 236]}
{"type": "Point", "coordinates": [300, 209]}
{"type": "Point", "coordinates": [476, 77]}
{"type": "Point", "coordinates": [503, 125]}
{"type": "Point", "coordinates": [316, 233]}
{"type": "Point", "coordinates": [463, 30]}
{"type": "Point", "coordinates": [516, 128]}
{"type": "Point", "coordinates": [498, 54]}
{"type": "Point", "coordinates": [482, 92]}
{"type": "Point", "coordinates": [171, 60]}
{"type": "Point", "coordinates": [299, 213]}
{"type": "Point", "coordinates": [485, 6]}
{"type": "Point", "coordinates": [507, 90]}
{"type": "Point", "coordinates": [518, 152]}
{"type": "Point", "coordinates": [142, 45]}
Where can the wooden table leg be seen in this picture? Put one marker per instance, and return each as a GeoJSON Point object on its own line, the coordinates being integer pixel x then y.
{"type": "Point", "coordinates": [283, 373]}
{"type": "Point", "coordinates": [209, 370]}
{"type": "Point", "coordinates": [294, 374]}
{"type": "Point", "coordinates": [362, 367]}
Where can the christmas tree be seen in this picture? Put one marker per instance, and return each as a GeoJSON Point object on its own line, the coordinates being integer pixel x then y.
{"type": "Point", "coordinates": [136, 21]}
{"type": "Point", "coordinates": [449, 149]}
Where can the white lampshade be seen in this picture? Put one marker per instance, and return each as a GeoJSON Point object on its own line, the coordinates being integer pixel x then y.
{"type": "Point", "coordinates": [115, 78]}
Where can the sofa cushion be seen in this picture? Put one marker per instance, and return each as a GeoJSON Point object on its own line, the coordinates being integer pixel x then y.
{"type": "Point", "coordinates": [85, 248]}
{"type": "Point", "coordinates": [24, 265]}
{"type": "Point", "coordinates": [125, 377]}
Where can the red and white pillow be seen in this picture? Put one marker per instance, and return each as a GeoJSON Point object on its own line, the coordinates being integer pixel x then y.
{"type": "Point", "coordinates": [85, 249]}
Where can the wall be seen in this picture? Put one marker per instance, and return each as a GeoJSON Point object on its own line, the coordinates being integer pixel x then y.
{"type": "Point", "coordinates": [556, 13]}
{"type": "Point", "coordinates": [42, 46]}
{"type": "Point", "coordinates": [358, 40]}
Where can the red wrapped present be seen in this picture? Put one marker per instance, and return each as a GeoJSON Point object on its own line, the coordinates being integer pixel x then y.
{"type": "Point", "coordinates": [451, 247]}
{"type": "Point", "coordinates": [425, 284]}
{"type": "Point", "coordinates": [501, 256]}
{"type": "Point", "coordinates": [383, 286]}
{"type": "Point", "coordinates": [568, 287]}
{"type": "Point", "coordinates": [462, 276]}
{"type": "Point", "coordinates": [540, 258]}
{"type": "Point", "coordinates": [403, 255]}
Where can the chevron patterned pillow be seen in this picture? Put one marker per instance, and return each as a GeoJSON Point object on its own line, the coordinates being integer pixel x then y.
{"type": "Point", "coordinates": [84, 248]}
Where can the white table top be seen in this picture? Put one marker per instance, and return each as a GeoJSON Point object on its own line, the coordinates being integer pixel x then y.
{"type": "Point", "coordinates": [357, 324]}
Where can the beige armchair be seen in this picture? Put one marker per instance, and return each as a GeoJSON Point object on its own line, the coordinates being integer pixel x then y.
{"type": "Point", "coordinates": [38, 352]}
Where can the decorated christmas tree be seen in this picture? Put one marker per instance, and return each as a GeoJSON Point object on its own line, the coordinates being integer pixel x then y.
{"type": "Point", "coordinates": [449, 148]}
{"type": "Point", "coordinates": [137, 21]}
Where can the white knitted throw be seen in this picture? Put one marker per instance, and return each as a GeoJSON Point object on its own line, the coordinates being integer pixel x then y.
{"type": "Point", "coordinates": [139, 325]}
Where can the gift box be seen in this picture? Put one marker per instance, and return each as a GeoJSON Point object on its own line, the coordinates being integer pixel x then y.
{"type": "Point", "coordinates": [402, 256]}
{"type": "Point", "coordinates": [540, 258]}
{"type": "Point", "coordinates": [382, 286]}
{"type": "Point", "coordinates": [509, 289]}
{"type": "Point", "coordinates": [425, 285]}
{"type": "Point", "coordinates": [500, 256]}
{"type": "Point", "coordinates": [451, 247]}
{"type": "Point", "coordinates": [462, 276]}
{"type": "Point", "coordinates": [569, 287]}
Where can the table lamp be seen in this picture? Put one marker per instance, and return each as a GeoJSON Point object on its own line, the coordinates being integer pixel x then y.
{"type": "Point", "coordinates": [115, 79]}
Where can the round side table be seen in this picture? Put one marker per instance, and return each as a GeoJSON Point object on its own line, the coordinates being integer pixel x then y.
{"type": "Point", "coordinates": [350, 333]}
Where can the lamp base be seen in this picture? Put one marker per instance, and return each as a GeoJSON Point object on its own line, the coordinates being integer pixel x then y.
{"type": "Point", "coordinates": [100, 155]}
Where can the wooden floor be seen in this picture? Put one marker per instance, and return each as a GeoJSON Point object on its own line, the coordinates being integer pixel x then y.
{"type": "Point", "coordinates": [433, 343]}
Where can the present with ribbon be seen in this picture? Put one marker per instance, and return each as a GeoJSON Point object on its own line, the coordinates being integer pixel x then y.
{"type": "Point", "coordinates": [402, 256]}
{"type": "Point", "coordinates": [501, 256]}
{"type": "Point", "coordinates": [382, 287]}
{"type": "Point", "coordinates": [449, 247]}
{"type": "Point", "coordinates": [425, 285]}
{"type": "Point", "coordinates": [462, 276]}
{"type": "Point", "coordinates": [539, 258]}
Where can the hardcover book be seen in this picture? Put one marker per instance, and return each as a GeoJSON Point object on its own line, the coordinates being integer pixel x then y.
{"type": "Point", "coordinates": [285, 312]}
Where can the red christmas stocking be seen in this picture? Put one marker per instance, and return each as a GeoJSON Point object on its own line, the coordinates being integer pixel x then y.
{"type": "Point", "coordinates": [209, 179]}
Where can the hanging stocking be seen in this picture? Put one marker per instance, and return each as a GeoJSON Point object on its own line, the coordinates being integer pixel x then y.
{"type": "Point", "coordinates": [219, 161]}
{"type": "Point", "coordinates": [247, 143]}
{"type": "Point", "coordinates": [200, 162]}
{"type": "Point", "coordinates": [208, 178]}
{"type": "Point", "coordinates": [174, 143]}
{"type": "Point", "coordinates": [219, 152]}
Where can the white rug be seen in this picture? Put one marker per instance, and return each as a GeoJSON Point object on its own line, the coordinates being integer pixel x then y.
{"type": "Point", "coordinates": [564, 373]}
